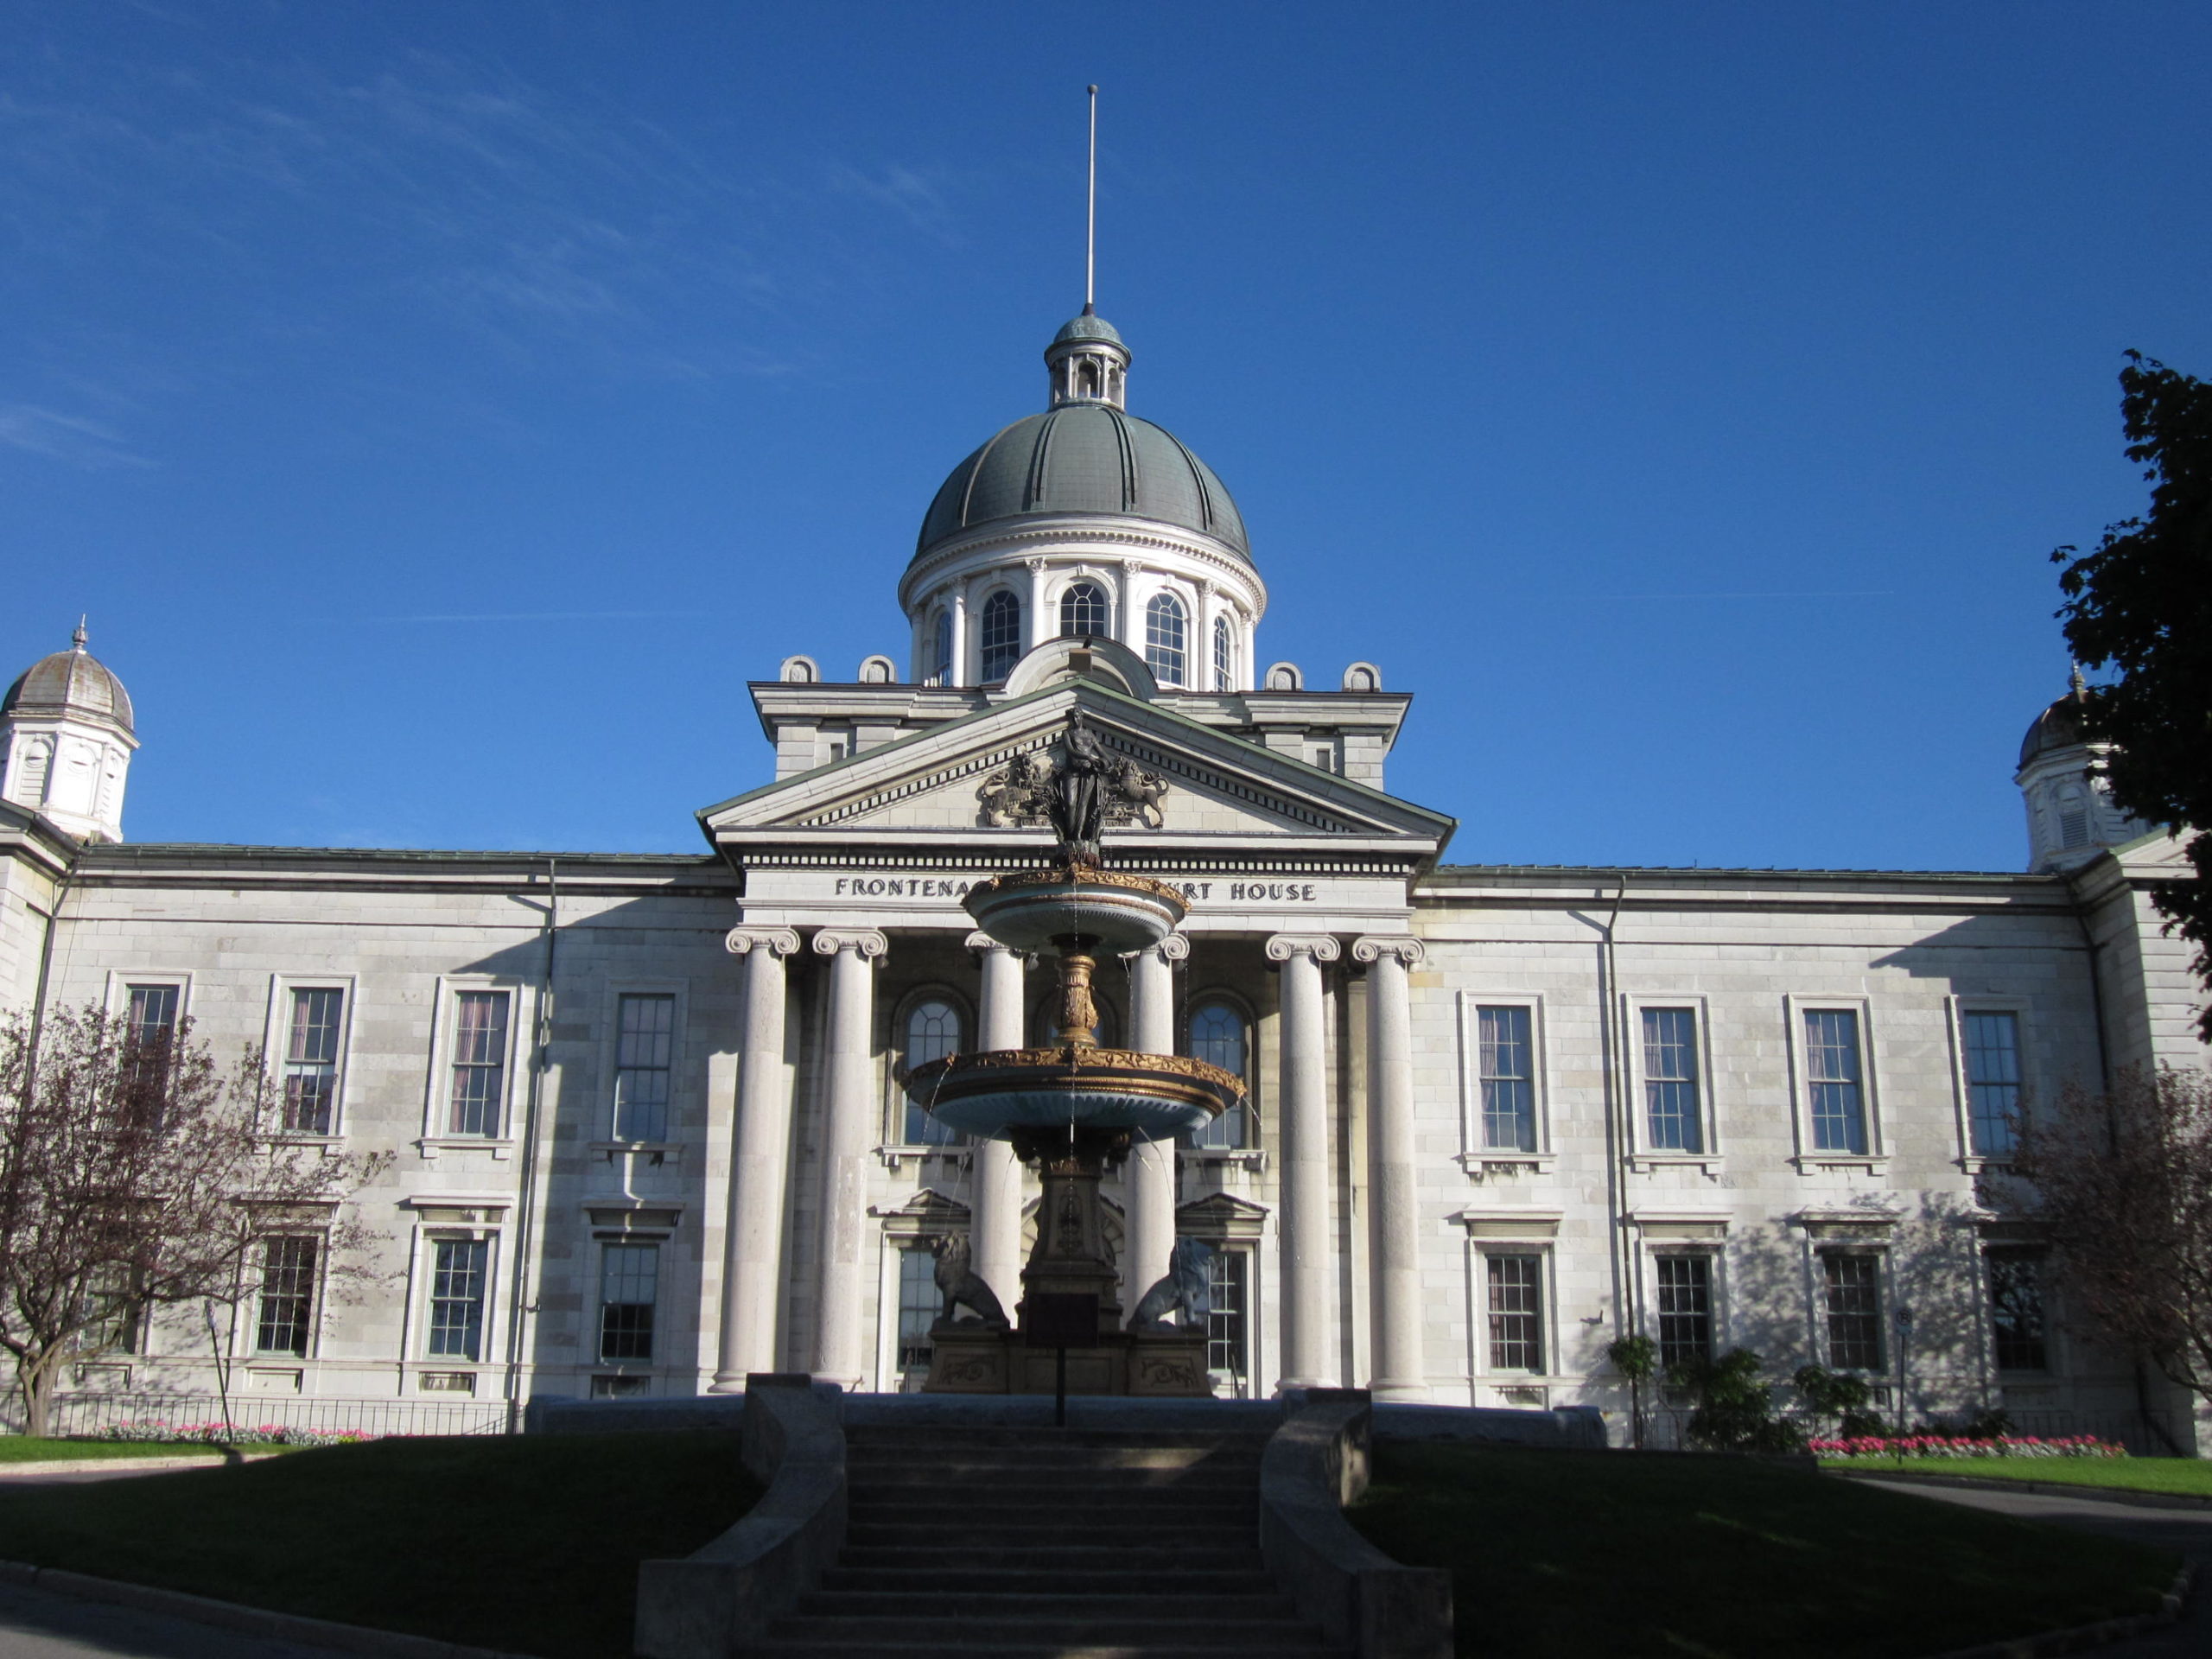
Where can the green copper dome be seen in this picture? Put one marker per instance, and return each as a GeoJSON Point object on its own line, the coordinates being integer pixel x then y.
{"type": "Point", "coordinates": [1091, 459]}
{"type": "Point", "coordinates": [1089, 325]}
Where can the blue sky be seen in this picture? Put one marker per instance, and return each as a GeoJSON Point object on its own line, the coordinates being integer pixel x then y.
{"type": "Point", "coordinates": [443, 410]}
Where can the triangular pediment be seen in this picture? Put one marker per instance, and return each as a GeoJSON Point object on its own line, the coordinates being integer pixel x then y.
{"type": "Point", "coordinates": [1215, 783]}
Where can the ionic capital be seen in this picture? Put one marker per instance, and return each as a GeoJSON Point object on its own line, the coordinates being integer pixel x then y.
{"type": "Point", "coordinates": [865, 943]}
{"type": "Point", "coordinates": [1174, 947]}
{"type": "Point", "coordinates": [1374, 947]}
{"type": "Point", "coordinates": [1322, 947]}
{"type": "Point", "coordinates": [982, 941]}
{"type": "Point", "coordinates": [777, 941]}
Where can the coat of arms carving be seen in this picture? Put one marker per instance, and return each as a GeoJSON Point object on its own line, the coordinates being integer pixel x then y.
{"type": "Point", "coordinates": [1075, 786]}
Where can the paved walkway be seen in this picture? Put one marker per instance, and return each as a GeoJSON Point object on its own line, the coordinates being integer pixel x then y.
{"type": "Point", "coordinates": [36, 1625]}
{"type": "Point", "coordinates": [2186, 1532]}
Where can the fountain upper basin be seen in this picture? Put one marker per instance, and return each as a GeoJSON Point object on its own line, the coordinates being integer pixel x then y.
{"type": "Point", "coordinates": [1111, 911]}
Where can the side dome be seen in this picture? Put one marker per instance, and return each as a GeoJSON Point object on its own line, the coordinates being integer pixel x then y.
{"type": "Point", "coordinates": [2058, 727]}
{"type": "Point", "coordinates": [1090, 458]}
{"type": "Point", "coordinates": [72, 682]}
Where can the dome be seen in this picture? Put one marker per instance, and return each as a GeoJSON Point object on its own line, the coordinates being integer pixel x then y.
{"type": "Point", "coordinates": [1088, 458]}
{"type": "Point", "coordinates": [1089, 325]}
{"type": "Point", "coordinates": [2058, 727]}
{"type": "Point", "coordinates": [70, 682]}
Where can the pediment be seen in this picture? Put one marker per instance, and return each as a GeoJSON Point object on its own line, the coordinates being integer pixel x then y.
{"type": "Point", "coordinates": [1216, 784]}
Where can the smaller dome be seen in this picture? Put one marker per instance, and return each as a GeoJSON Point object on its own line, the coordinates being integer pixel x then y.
{"type": "Point", "coordinates": [1089, 325]}
{"type": "Point", "coordinates": [2058, 727]}
{"type": "Point", "coordinates": [72, 682]}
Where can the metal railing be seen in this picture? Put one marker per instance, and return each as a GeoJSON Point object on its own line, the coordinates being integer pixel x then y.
{"type": "Point", "coordinates": [89, 1413]}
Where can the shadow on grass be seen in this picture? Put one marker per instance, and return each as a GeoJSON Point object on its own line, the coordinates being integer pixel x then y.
{"type": "Point", "coordinates": [1571, 1553]}
{"type": "Point", "coordinates": [530, 1544]}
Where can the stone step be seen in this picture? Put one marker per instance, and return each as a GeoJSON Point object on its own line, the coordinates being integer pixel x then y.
{"type": "Point", "coordinates": [1222, 1509]}
{"type": "Point", "coordinates": [983, 1626]}
{"type": "Point", "coordinates": [1169, 1583]}
{"type": "Point", "coordinates": [936, 1602]}
{"type": "Point", "coordinates": [1074, 1458]}
{"type": "Point", "coordinates": [979, 1477]}
{"type": "Point", "coordinates": [1118, 1535]}
{"type": "Point", "coordinates": [871, 1648]}
{"type": "Point", "coordinates": [1114, 1564]}
{"type": "Point", "coordinates": [868, 1435]}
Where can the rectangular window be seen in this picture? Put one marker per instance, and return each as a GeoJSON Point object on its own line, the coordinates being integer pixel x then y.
{"type": "Point", "coordinates": [628, 1287]}
{"type": "Point", "coordinates": [1832, 1069]}
{"type": "Point", "coordinates": [287, 1297]}
{"type": "Point", "coordinates": [645, 1063]}
{"type": "Point", "coordinates": [1993, 1043]}
{"type": "Point", "coordinates": [1853, 1284]}
{"type": "Point", "coordinates": [2016, 1311]}
{"type": "Point", "coordinates": [113, 1327]}
{"type": "Point", "coordinates": [458, 1270]}
{"type": "Point", "coordinates": [919, 1307]}
{"type": "Point", "coordinates": [1685, 1309]}
{"type": "Point", "coordinates": [311, 1060]}
{"type": "Point", "coordinates": [479, 1062]}
{"type": "Point", "coordinates": [1227, 1357]}
{"type": "Point", "coordinates": [153, 1019]}
{"type": "Point", "coordinates": [1672, 1111]}
{"type": "Point", "coordinates": [1517, 1313]}
{"type": "Point", "coordinates": [1505, 1063]}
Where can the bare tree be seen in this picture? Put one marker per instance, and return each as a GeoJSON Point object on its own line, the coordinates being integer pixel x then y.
{"type": "Point", "coordinates": [2122, 1181]}
{"type": "Point", "coordinates": [135, 1174]}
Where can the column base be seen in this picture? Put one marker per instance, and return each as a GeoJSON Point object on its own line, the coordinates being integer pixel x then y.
{"type": "Point", "coordinates": [727, 1383]}
{"type": "Point", "coordinates": [1390, 1390]}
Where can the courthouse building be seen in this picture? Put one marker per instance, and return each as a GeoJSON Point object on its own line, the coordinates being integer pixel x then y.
{"type": "Point", "coordinates": [647, 1128]}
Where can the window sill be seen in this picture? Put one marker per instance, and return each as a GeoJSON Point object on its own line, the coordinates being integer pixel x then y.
{"type": "Point", "coordinates": [960, 1157]}
{"type": "Point", "coordinates": [1644, 1163]}
{"type": "Point", "coordinates": [331, 1145]}
{"type": "Point", "coordinates": [1975, 1164]}
{"type": "Point", "coordinates": [1816, 1163]}
{"type": "Point", "coordinates": [1479, 1165]}
{"type": "Point", "coordinates": [431, 1145]}
{"type": "Point", "coordinates": [652, 1153]}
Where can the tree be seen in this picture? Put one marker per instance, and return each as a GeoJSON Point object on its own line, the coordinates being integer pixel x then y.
{"type": "Point", "coordinates": [2142, 602]}
{"type": "Point", "coordinates": [2122, 1184]}
{"type": "Point", "coordinates": [135, 1174]}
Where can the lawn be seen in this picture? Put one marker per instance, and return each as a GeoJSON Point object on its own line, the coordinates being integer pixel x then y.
{"type": "Point", "coordinates": [22, 1448]}
{"type": "Point", "coordinates": [1576, 1553]}
{"type": "Point", "coordinates": [2192, 1476]}
{"type": "Point", "coordinates": [525, 1543]}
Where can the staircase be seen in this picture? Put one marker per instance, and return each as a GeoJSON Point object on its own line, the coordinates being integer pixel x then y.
{"type": "Point", "coordinates": [1045, 1543]}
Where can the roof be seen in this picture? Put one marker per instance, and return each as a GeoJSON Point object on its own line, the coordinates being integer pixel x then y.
{"type": "Point", "coordinates": [70, 682]}
{"type": "Point", "coordinates": [1089, 325]}
{"type": "Point", "coordinates": [1085, 458]}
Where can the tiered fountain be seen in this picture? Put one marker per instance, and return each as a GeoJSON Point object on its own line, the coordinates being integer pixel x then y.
{"type": "Point", "coordinates": [1072, 1108]}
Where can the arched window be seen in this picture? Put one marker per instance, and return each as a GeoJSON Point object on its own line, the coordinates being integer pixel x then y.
{"type": "Point", "coordinates": [941, 668]}
{"type": "Point", "coordinates": [1224, 678]}
{"type": "Point", "coordinates": [1083, 612]}
{"type": "Point", "coordinates": [1163, 638]}
{"type": "Point", "coordinates": [932, 1032]}
{"type": "Point", "coordinates": [1217, 1034]}
{"type": "Point", "coordinates": [999, 637]}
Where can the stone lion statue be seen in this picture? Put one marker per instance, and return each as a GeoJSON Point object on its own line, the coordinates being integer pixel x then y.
{"type": "Point", "coordinates": [960, 1285]}
{"type": "Point", "coordinates": [1188, 1288]}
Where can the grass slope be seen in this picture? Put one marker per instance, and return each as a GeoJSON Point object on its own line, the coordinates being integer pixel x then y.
{"type": "Point", "coordinates": [2192, 1476]}
{"type": "Point", "coordinates": [22, 1448]}
{"type": "Point", "coordinates": [1570, 1554]}
{"type": "Point", "coordinates": [530, 1544]}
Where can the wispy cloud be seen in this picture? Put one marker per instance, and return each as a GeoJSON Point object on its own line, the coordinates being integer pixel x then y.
{"type": "Point", "coordinates": [69, 438]}
{"type": "Point", "coordinates": [526, 616]}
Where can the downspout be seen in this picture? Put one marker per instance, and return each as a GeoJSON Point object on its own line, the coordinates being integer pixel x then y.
{"type": "Point", "coordinates": [526, 1195]}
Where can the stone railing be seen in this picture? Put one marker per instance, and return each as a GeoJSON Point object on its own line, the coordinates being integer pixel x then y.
{"type": "Point", "coordinates": [722, 1598]}
{"type": "Point", "coordinates": [1314, 1465]}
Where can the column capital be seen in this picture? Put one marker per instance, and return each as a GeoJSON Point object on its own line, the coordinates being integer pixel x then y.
{"type": "Point", "coordinates": [1174, 947]}
{"type": "Point", "coordinates": [980, 940]}
{"type": "Point", "coordinates": [1374, 947]}
{"type": "Point", "coordinates": [778, 941]}
{"type": "Point", "coordinates": [865, 943]}
{"type": "Point", "coordinates": [1322, 947]}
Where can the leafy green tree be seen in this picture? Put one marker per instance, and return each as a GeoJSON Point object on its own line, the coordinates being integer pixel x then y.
{"type": "Point", "coordinates": [1840, 1396]}
{"type": "Point", "coordinates": [1734, 1408]}
{"type": "Point", "coordinates": [1637, 1359]}
{"type": "Point", "coordinates": [2141, 602]}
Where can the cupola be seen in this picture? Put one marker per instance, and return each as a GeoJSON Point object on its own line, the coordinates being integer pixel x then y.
{"type": "Point", "coordinates": [66, 736]}
{"type": "Point", "coordinates": [1088, 363]}
{"type": "Point", "coordinates": [2070, 815]}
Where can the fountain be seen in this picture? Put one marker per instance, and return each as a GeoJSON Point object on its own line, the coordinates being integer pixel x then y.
{"type": "Point", "coordinates": [1072, 1108]}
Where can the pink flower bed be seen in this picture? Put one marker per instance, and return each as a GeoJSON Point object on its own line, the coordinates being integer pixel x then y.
{"type": "Point", "coordinates": [1948, 1446]}
{"type": "Point", "coordinates": [159, 1433]}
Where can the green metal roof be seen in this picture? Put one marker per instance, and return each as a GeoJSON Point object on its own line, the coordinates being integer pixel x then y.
{"type": "Point", "coordinates": [1089, 325]}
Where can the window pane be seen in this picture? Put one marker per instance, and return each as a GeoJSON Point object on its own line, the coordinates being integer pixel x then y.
{"type": "Point", "coordinates": [286, 1296]}
{"type": "Point", "coordinates": [457, 1298]}
{"type": "Point", "coordinates": [2016, 1311]}
{"type": "Point", "coordinates": [1685, 1308]}
{"type": "Point", "coordinates": [1517, 1340]}
{"type": "Point", "coordinates": [1670, 1080]}
{"type": "Point", "coordinates": [1217, 1037]}
{"type": "Point", "coordinates": [629, 1275]}
{"type": "Point", "coordinates": [918, 1306]}
{"type": "Point", "coordinates": [1226, 1323]}
{"type": "Point", "coordinates": [1832, 1067]}
{"type": "Point", "coordinates": [932, 1032]}
{"type": "Point", "coordinates": [1163, 638]}
{"type": "Point", "coordinates": [645, 1065]}
{"type": "Point", "coordinates": [1855, 1299]}
{"type": "Point", "coordinates": [153, 1026]}
{"type": "Point", "coordinates": [999, 637]}
{"type": "Point", "coordinates": [1083, 612]}
{"type": "Point", "coordinates": [941, 665]}
{"type": "Point", "coordinates": [479, 1062]}
{"type": "Point", "coordinates": [1504, 1062]}
{"type": "Point", "coordinates": [1993, 1081]}
{"type": "Point", "coordinates": [1223, 677]}
{"type": "Point", "coordinates": [311, 1060]}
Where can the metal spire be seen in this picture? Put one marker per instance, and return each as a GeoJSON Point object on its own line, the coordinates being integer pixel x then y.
{"type": "Point", "coordinates": [77, 639]}
{"type": "Point", "coordinates": [1090, 224]}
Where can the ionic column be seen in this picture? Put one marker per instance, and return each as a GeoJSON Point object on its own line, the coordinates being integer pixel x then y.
{"type": "Point", "coordinates": [1309, 1344]}
{"type": "Point", "coordinates": [995, 1223]}
{"type": "Point", "coordinates": [1150, 1182]}
{"type": "Point", "coordinates": [1038, 630]}
{"type": "Point", "coordinates": [752, 1235]}
{"type": "Point", "coordinates": [956, 671]}
{"type": "Point", "coordinates": [1400, 1372]}
{"type": "Point", "coordinates": [850, 1098]}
